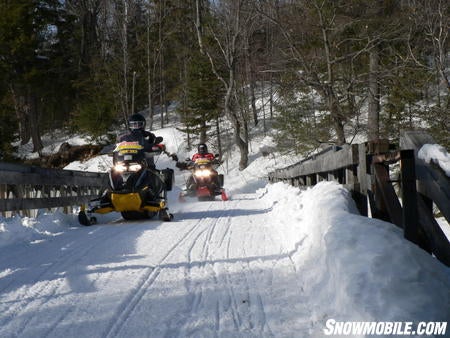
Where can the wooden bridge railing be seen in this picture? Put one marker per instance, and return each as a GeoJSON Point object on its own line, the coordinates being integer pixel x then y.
{"type": "Point", "coordinates": [24, 188]}
{"type": "Point", "coordinates": [366, 171]}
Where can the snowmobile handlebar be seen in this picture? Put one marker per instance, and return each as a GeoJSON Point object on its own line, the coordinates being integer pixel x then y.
{"type": "Point", "coordinates": [188, 164]}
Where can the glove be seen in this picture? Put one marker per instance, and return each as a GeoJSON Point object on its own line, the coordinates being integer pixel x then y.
{"type": "Point", "coordinates": [181, 165]}
{"type": "Point", "coordinates": [174, 157]}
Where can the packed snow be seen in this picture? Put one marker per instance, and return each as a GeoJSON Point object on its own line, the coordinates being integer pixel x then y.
{"type": "Point", "coordinates": [437, 154]}
{"type": "Point", "coordinates": [273, 261]}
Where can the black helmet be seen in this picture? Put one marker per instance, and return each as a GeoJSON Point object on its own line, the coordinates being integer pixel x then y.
{"type": "Point", "coordinates": [202, 148]}
{"type": "Point", "coordinates": [136, 121]}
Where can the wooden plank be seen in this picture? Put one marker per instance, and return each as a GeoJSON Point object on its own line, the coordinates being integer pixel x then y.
{"type": "Point", "coordinates": [50, 172]}
{"type": "Point", "coordinates": [14, 204]}
{"type": "Point", "coordinates": [438, 243]}
{"type": "Point", "coordinates": [6, 166]}
{"type": "Point", "coordinates": [386, 192]}
{"type": "Point", "coordinates": [363, 180]}
{"type": "Point", "coordinates": [410, 215]}
{"type": "Point", "coordinates": [415, 139]}
{"type": "Point", "coordinates": [11, 173]}
{"type": "Point", "coordinates": [26, 183]}
{"type": "Point", "coordinates": [324, 163]}
{"type": "Point", "coordinates": [10, 177]}
{"type": "Point", "coordinates": [432, 182]}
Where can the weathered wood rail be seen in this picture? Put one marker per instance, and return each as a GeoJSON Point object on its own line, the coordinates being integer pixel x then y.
{"type": "Point", "coordinates": [24, 188]}
{"type": "Point", "coordinates": [364, 169]}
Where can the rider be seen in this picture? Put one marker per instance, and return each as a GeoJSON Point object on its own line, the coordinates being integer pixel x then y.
{"type": "Point", "coordinates": [136, 125]}
{"type": "Point", "coordinates": [202, 152]}
{"type": "Point", "coordinates": [151, 143]}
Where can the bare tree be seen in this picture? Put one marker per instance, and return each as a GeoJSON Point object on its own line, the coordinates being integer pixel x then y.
{"type": "Point", "coordinates": [150, 66]}
{"type": "Point", "coordinates": [432, 17]}
{"type": "Point", "coordinates": [334, 49]}
{"type": "Point", "coordinates": [226, 50]}
{"type": "Point", "coordinates": [373, 118]}
{"type": "Point", "coordinates": [125, 61]}
{"type": "Point", "coordinates": [88, 11]}
{"type": "Point", "coordinates": [310, 29]}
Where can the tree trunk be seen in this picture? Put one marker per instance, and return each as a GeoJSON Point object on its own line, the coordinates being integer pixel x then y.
{"type": "Point", "coordinates": [203, 129]}
{"type": "Point", "coordinates": [162, 98]}
{"type": "Point", "coordinates": [34, 123]}
{"type": "Point", "coordinates": [329, 91]}
{"type": "Point", "coordinates": [253, 102]}
{"type": "Point", "coordinates": [373, 130]}
{"type": "Point", "coordinates": [231, 114]}
{"type": "Point", "coordinates": [28, 117]}
{"type": "Point", "coordinates": [88, 35]}
{"type": "Point", "coordinates": [251, 81]}
{"type": "Point", "coordinates": [22, 117]}
{"type": "Point", "coordinates": [149, 77]}
{"type": "Point", "coordinates": [125, 60]}
{"type": "Point", "coordinates": [242, 145]}
{"type": "Point", "coordinates": [219, 138]}
{"type": "Point", "coordinates": [337, 121]}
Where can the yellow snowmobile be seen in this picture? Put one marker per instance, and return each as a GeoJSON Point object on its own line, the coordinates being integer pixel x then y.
{"type": "Point", "coordinates": [136, 189]}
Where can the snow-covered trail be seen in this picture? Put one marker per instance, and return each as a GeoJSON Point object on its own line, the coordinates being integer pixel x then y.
{"type": "Point", "coordinates": [278, 262]}
{"type": "Point", "coordinates": [220, 269]}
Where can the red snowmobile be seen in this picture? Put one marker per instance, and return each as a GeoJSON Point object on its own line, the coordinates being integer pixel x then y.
{"type": "Point", "coordinates": [204, 183]}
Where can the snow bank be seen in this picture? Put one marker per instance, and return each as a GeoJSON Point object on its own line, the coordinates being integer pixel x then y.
{"type": "Point", "coordinates": [17, 229]}
{"type": "Point", "coordinates": [358, 268]}
{"type": "Point", "coordinates": [437, 154]}
{"type": "Point", "coordinates": [52, 142]}
{"type": "Point", "coordinates": [97, 164]}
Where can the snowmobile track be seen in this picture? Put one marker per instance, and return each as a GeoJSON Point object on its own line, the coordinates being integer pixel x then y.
{"type": "Point", "coordinates": [129, 304]}
{"type": "Point", "coordinates": [49, 288]}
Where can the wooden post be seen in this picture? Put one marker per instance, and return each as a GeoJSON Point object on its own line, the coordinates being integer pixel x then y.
{"type": "Point", "coordinates": [385, 196]}
{"type": "Point", "coordinates": [360, 196]}
{"type": "Point", "coordinates": [409, 197]}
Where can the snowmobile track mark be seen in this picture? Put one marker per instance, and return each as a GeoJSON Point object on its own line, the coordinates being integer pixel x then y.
{"type": "Point", "coordinates": [51, 285]}
{"type": "Point", "coordinates": [260, 312]}
{"type": "Point", "coordinates": [128, 306]}
{"type": "Point", "coordinates": [195, 291]}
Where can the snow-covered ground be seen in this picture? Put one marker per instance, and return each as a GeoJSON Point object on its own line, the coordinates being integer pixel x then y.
{"type": "Point", "coordinates": [436, 154]}
{"type": "Point", "coordinates": [273, 261]}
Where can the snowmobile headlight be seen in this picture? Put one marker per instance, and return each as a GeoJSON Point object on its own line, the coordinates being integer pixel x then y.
{"type": "Point", "coordinates": [203, 173]}
{"type": "Point", "coordinates": [120, 167]}
{"type": "Point", "coordinates": [134, 167]}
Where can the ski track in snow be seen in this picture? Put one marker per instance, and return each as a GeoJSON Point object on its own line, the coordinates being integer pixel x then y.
{"type": "Point", "coordinates": [44, 287]}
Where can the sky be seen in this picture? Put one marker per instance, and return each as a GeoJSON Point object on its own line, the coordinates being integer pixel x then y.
{"type": "Point", "coordinates": [273, 261]}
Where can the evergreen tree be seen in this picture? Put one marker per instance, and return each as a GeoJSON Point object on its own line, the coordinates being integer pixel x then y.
{"type": "Point", "coordinates": [21, 32]}
{"type": "Point", "coordinates": [204, 94]}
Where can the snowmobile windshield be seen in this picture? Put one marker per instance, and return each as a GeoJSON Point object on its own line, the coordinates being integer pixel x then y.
{"type": "Point", "coordinates": [128, 152]}
{"type": "Point", "coordinates": [202, 161]}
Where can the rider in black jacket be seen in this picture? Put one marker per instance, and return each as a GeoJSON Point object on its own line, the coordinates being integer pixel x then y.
{"type": "Point", "coordinates": [136, 125]}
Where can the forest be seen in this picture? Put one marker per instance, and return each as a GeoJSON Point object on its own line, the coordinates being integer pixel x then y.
{"type": "Point", "coordinates": [314, 72]}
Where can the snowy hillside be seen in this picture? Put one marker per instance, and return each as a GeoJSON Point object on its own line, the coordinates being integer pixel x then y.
{"type": "Point", "coordinates": [273, 261]}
